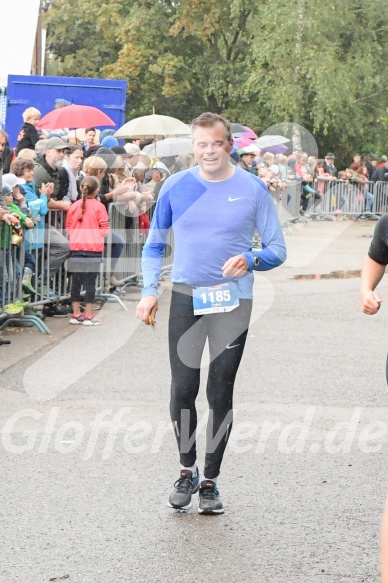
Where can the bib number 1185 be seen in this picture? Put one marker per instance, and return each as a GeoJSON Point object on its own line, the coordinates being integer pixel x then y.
{"type": "Point", "coordinates": [216, 296]}
{"type": "Point", "coordinates": [213, 299]}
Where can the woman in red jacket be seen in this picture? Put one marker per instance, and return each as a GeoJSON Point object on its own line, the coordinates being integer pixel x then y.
{"type": "Point", "coordinates": [87, 224]}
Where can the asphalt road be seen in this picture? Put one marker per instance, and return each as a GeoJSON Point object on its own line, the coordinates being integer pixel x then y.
{"type": "Point", "coordinates": [88, 456]}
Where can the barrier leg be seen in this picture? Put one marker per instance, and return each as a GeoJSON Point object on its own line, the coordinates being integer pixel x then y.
{"type": "Point", "coordinates": [113, 298]}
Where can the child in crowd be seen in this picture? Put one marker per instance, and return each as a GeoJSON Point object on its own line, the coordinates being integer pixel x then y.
{"type": "Point", "coordinates": [11, 197]}
{"type": "Point", "coordinates": [87, 224]}
{"type": "Point", "coordinates": [28, 135]}
{"type": "Point", "coordinates": [24, 168]}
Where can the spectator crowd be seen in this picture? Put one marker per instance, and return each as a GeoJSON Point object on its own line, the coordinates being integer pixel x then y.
{"type": "Point", "coordinates": [56, 171]}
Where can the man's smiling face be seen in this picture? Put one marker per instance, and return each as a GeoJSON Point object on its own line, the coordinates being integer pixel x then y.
{"type": "Point", "coordinates": [211, 149]}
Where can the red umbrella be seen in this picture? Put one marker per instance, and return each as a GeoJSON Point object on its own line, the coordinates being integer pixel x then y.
{"type": "Point", "coordinates": [74, 116]}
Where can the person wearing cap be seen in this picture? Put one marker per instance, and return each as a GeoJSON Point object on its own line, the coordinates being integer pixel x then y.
{"type": "Point", "coordinates": [153, 180]}
{"type": "Point", "coordinates": [133, 152]}
{"type": "Point", "coordinates": [123, 170]}
{"type": "Point", "coordinates": [328, 164]}
{"type": "Point", "coordinates": [46, 170]}
{"type": "Point", "coordinates": [14, 201]}
{"type": "Point", "coordinates": [12, 181]}
{"type": "Point", "coordinates": [60, 102]}
{"type": "Point", "coordinates": [6, 214]}
{"type": "Point", "coordinates": [109, 142]}
{"type": "Point", "coordinates": [383, 159]}
{"type": "Point", "coordinates": [246, 161]}
{"type": "Point", "coordinates": [8, 193]}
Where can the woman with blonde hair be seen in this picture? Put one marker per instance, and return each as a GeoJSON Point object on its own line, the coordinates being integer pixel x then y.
{"type": "Point", "coordinates": [26, 153]}
{"type": "Point", "coordinates": [95, 166]}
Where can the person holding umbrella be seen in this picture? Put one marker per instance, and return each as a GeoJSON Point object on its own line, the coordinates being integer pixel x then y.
{"type": "Point", "coordinates": [212, 292]}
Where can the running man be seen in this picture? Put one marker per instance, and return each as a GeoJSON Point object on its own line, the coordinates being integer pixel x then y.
{"type": "Point", "coordinates": [214, 209]}
{"type": "Point", "coordinates": [372, 273]}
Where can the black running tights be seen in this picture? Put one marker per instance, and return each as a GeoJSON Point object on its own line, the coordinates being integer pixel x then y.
{"type": "Point", "coordinates": [226, 333]}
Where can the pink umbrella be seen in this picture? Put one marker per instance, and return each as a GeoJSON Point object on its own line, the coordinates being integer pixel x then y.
{"type": "Point", "coordinates": [249, 134]}
{"type": "Point", "coordinates": [74, 116]}
{"type": "Point", "coordinates": [242, 142]}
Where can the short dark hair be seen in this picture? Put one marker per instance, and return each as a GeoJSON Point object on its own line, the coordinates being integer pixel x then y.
{"type": "Point", "coordinates": [20, 165]}
{"type": "Point", "coordinates": [208, 119]}
{"type": "Point", "coordinates": [90, 130]}
{"type": "Point", "coordinates": [73, 148]}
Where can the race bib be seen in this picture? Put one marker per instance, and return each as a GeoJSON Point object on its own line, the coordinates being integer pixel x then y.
{"type": "Point", "coordinates": [218, 298]}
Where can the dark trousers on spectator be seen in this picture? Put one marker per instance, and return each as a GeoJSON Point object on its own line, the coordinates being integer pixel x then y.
{"type": "Point", "coordinates": [85, 280]}
{"type": "Point", "coordinates": [57, 249]}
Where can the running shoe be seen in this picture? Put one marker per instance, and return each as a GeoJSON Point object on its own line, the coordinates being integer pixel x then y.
{"type": "Point", "coordinates": [209, 498]}
{"type": "Point", "coordinates": [91, 321]}
{"type": "Point", "coordinates": [184, 488]}
{"type": "Point", "coordinates": [76, 319]}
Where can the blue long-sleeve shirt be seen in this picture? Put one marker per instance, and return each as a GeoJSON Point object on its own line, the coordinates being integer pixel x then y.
{"type": "Point", "coordinates": [35, 237]}
{"type": "Point", "coordinates": [212, 221]}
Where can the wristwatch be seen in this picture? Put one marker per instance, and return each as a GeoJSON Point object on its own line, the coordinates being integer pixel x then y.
{"type": "Point", "coordinates": [255, 261]}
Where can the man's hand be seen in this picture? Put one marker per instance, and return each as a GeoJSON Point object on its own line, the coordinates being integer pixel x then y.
{"type": "Point", "coordinates": [235, 266]}
{"type": "Point", "coordinates": [147, 307]}
{"type": "Point", "coordinates": [29, 223]}
{"type": "Point", "coordinates": [370, 302]}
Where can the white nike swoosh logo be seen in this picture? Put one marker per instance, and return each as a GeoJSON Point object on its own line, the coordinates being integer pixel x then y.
{"type": "Point", "coordinates": [233, 346]}
{"type": "Point", "coordinates": [230, 199]}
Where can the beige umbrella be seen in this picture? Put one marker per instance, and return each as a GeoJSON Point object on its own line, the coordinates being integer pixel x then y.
{"type": "Point", "coordinates": [79, 134]}
{"type": "Point", "coordinates": [152, 126]}
{"type": "Point", "coordinates": [169, 147]}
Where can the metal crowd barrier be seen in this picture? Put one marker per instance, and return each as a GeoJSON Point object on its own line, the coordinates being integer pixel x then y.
{"type": "Point", "coordinates": [380, 191]}
{"type": "Point", "coordinates": [12, 304]}
{"type": "Point", "coordinates": [353, 198]}
{"type": "Point", "coordinates": [287, 200]}
{"type": "Point", "coordinates": [126, 225]}
{"type": "Point", "coordinates": [45, 249]}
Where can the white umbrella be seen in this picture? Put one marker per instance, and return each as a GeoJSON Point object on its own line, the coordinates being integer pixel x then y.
{"type": "Point", "coordinates": [153, 126]}
{"type": "Point", "coordinates": [251, 149]}
{"type": "Point", "coordinates": [267, 141]}
{"type": "Point", "coordinates": [169, 147]}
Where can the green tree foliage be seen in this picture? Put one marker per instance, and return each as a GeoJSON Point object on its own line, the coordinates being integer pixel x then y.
{"type": "Point", "coordinates": [321, 65]}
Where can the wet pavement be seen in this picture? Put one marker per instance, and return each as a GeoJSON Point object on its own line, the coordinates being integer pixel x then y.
{"type": "Point", "coordinates": [87, 469]}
